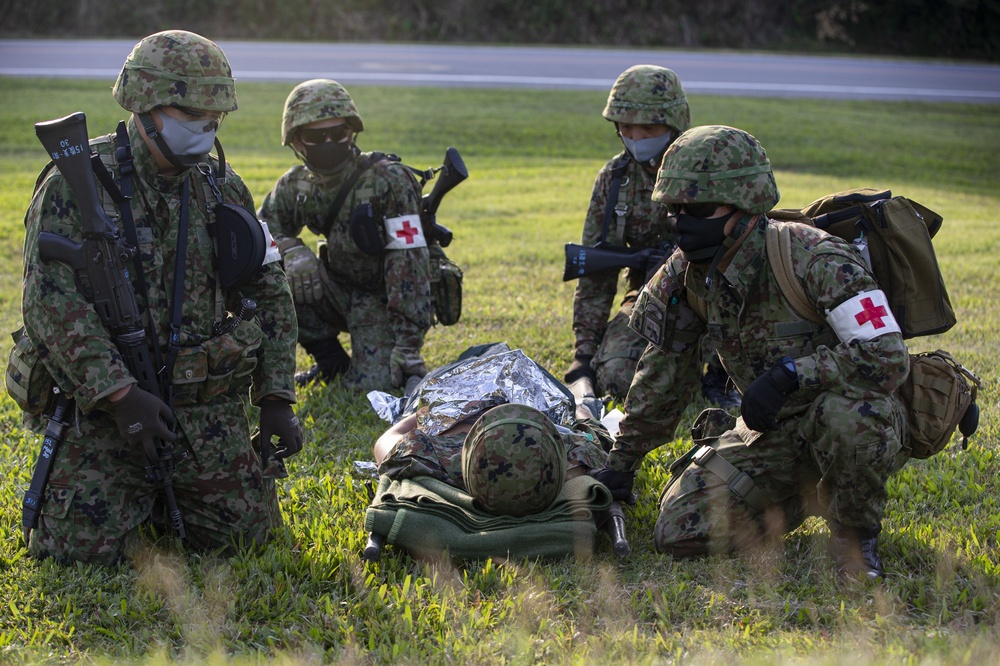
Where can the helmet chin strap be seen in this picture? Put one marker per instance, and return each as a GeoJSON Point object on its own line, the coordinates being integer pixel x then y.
{"type": "Point", "coordinates": [732, 238]}
{"type": "Point", "coordinates": [179, 161]}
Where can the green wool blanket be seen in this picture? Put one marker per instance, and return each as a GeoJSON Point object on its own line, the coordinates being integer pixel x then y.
{"type": "Point", "coordinates": [427, 517]}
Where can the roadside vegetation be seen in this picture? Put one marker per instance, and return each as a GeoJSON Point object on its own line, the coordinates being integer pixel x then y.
{"type": "Point", "coordinates": [308, 598]}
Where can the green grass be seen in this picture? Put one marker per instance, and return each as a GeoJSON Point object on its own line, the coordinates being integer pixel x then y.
{"type": "Point", "coordinates": [532, 156]}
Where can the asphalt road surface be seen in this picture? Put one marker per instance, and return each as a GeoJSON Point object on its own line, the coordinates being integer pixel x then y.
{"type": "Point", "coordinates": [717, 73]}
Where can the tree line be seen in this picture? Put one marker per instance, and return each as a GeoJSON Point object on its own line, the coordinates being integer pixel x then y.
{"type": "Point", "coordinates": [961, 29]}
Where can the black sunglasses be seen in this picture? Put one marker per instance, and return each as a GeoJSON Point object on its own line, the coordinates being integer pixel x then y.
{"type": "Point", "coordinates": [322, 134]}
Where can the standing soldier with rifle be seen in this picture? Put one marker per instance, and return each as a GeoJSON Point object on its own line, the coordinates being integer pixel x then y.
{"type": "Point", "coordinates": [150, 307]}
{"type": "Point", "coordinates": [648, 106]}
{"type": "Point", "coordinates": [371, 276]}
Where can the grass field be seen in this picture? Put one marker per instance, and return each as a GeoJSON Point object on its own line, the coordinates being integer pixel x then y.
{"type": "Point", "coordinates": [532, 157]}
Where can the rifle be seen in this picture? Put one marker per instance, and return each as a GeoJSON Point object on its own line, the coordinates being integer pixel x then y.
{"type": "Point", "coordinates": [589, 406]}
{"type": "Point", "coordinates": [100, 265]}
{"type": "Point", "coordinates": [582, 260]}
{"type": "Point", "coordinates": [453, 172]}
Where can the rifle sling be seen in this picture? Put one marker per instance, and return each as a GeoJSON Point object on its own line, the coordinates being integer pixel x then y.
{"type": "Point", "coordinates": [617, 173]}
{"type": "Point", "coordinates": [363, 165]}
{"type": "Point", "coordinates": [123, 198]}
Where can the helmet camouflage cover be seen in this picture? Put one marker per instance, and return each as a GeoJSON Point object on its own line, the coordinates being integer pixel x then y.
{"type": "Point", "coordinates": [176, 68]}
{"type": "Point", "coordinates": [513, 461]}
{"type": "Point", "coordinates": [317, 99]}
{"type": "Point", "coordinates": [648, 95]}
{"type": "Point", "coordinates": [717, 164]}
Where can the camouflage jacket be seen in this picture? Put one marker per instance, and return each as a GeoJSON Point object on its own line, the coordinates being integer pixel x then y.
{"type": "Point", "coordinates": [302, 198]}
{"type": "Point", "coordinates": [647, 224]}
{"type": "Point", "coordinates": [65, 328]}
{"type": "Point", "coordinates": [753, 326]}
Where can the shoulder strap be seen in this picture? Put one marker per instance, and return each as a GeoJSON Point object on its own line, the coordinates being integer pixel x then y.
{"type": "Point", "coordinates": [779, 256]}
{"type": "Point", "coordinates": [614, 207]}
{"type": "Point", "coordinates": [363, 165]}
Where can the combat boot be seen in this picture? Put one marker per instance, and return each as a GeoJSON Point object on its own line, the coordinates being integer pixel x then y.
{"type": "Point", "coordinates": [855, 552]}
{"type": "Point", "coordinates": [715, 386]}
{"type": "Point", "coordinates": [331, 360]}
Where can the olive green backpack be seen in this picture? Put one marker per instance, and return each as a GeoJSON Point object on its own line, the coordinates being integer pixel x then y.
{"type": "Point", "coordinates": [893, 234]}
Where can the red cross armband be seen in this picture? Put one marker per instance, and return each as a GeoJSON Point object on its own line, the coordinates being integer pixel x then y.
{"type": "Point", "coordinates": [862, 318]}
{"type": "Point", "coordinates": [404, 232]}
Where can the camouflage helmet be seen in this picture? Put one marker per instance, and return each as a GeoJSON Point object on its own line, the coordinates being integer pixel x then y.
{"type": "Point", "coordinates": [648, 95]}
{"type": "Point", "coordinates": [317, 99]}
{"type": "Point", "coordinates": [513, 461]}
{"type": "Point", "coordinates": [717, 164]}
{"type": "Point", "coordinates": [176, 68]}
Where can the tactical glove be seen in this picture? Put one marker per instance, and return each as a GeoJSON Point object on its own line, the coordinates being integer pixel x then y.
{"type": "Point", "coordinates": [767, 394]}
{"type": "Point", "coordinates": [405, 362]}
{"type": "Point", "coordinates": [619, 483]}
{"type": "Point", "coordinates": [142, 418]}
{"type": "Point", "coordinates": [304, 273]}
{"type": "Point", "coordinates": [580, 367]}
{"type": "Point", "coordinates": [278, 418]}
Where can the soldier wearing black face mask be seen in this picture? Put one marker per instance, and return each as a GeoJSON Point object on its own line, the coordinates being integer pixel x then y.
{"type": "Point", "coordinates": [821, 425]}
{"type": "Point", "coordinates": [649, 109]}
{"type": "Point", "coordinates": [383, 300]}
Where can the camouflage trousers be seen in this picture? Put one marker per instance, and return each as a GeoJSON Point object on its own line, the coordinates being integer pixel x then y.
{"type": "Point", "coordinates": [363, 316]}
{"type": "Point", "coordinates": [97, 496]}
{"type": "Point", "coordinates": [833, 461]}
{"type": "Point", "coordinates": [618, 354]}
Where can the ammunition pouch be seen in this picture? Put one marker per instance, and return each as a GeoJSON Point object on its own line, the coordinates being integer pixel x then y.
{"type": "Point", "coordinates": [446, 286]}
{"type": "Point", "coordinates": [216, 366]}
{"type": "Point", "coordinates": [240, 244]}
{"type": "Point", "coordinates": [367, 231]}
{"type": "Point", "coordinates": [28, 380]}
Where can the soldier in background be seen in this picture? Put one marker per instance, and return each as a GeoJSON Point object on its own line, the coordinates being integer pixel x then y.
{"type": "Point", "coordinates": [379, 296]}
{"type": "Point", "coordinates": [821, 428]}
{"type": "Point", "coordinates": [648, 106]}
{"type": "Point", "coordinates": [179, 88]}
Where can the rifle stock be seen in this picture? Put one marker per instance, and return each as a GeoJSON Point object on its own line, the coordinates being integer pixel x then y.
{"type": "Point", "coordinates": [453, 172]}
{"type": "Point", "coordinates": [101, 259]}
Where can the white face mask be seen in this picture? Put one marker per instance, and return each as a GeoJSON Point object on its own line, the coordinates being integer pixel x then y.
{"type": "Point", "coordinates": [644, 150]}
{"type": "Point", "coordinates": [188, 137]}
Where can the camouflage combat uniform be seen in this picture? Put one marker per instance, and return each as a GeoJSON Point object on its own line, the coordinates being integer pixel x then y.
{"type": "Point", "coordinates": [97, 494]}
{"type": "Point", "coordinates": [381, 301]}
{"type": "Point", "coordinates": [441, 456]}
{"type": "Point", "coordinates": [838, 437]}
{"type": "Point", "coordinates": [614, 347]}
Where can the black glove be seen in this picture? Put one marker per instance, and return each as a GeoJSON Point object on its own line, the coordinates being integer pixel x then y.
{"type": "Point", "coordinates": [580, 367]}
{"type": "Point", "coordinates": [278, 418]}
{"type": "Point", "coordinates": [619, 483]}
{"type": "Point", "coordinates": [143, 418]}
{"type": "Point", "coordinates": [767, 394]}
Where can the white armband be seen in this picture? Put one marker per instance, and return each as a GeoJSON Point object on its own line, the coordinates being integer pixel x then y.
{"type": "Point", "coordinates": [271, 254]}
{"type": "Point", "coordinates": [862, 318]}
{"type": "Point", "coordinates": [404, 233]}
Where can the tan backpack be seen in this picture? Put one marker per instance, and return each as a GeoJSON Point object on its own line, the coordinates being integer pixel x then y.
{"type": "Point", "coordinates": [939, 393]}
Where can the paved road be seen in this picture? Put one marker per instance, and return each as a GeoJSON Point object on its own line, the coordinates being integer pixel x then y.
{"type": "Point", "coordinates": [539, 67]}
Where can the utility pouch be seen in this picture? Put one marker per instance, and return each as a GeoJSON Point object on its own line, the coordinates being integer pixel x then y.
{"type": "Point", "coordinates": [367, 232]}
{"type": "Point", "coordinates": [446, 287]}
{"type": "Point", "coordinates": [939, 396]}
{"type": "Point", "coordinates": [28, 381]}
{"type": "Point", "coordinates": [190, 372]}
{"type": "Point", "coordinates": [218, 365]}
{"type": "Point", "coordinates": [240, 244]}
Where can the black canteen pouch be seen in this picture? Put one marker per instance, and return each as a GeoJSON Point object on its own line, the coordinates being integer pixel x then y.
{"type": "Point", "coordinates": [367, 231]}
{"type": "Point", "coordinates": [240, 244]}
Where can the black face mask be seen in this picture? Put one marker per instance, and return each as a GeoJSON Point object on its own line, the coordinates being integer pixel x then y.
{"type": "Point", "coordinates": [700, 238]}
{"type": "Point", "coordinates": [327, 157]}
